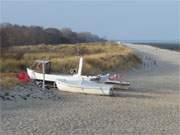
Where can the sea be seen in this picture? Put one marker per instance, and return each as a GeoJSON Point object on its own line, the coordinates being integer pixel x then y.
{"type": "Point", "coordinates": [160, 44]}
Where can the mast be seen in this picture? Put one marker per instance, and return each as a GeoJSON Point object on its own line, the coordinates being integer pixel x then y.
{"type": "Point", "coordinates": [80, 66]}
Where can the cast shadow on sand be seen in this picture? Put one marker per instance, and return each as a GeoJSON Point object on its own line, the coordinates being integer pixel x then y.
{"type": "Point", "coordinates": [132, 93]}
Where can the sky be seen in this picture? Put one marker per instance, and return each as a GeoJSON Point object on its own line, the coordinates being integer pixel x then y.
{"type": "Point", "coordinates": [140, 20]}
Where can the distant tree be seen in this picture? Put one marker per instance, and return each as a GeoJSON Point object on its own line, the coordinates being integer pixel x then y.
{"type": "Point", "coordinates": [87, 37]}
{"type": "Point", "coordinates": [11, 35]}
{"type": "Point", "coordinates": [69, 36]}
{"type": "Point", "coordinates": [53, 36]}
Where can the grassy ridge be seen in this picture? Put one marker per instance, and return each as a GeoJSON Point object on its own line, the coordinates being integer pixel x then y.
{"type": "Point", "coordinates": [98, 57]}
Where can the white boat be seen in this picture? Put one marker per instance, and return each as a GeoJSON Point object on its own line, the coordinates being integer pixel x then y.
{"type": "Point", "coordinates": [117, 84]}
{"type": "Point", "coordinates": [53, 77]}
{"type": "Point", "coordinates": [100, 81]}
{"type": "Point", "coordinates": [84, 86]}
{"type": "Point", "coordinates": [123, 85]}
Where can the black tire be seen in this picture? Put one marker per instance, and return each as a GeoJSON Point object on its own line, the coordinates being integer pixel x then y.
{"type": "Point", "coordinates": [39, 83]}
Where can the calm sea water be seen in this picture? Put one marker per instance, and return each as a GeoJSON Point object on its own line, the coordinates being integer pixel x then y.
{"type": "Point", "coordinates": [170, 46]}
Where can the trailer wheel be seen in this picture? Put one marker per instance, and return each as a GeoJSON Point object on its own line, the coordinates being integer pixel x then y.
{"type": "Point", "coordinates": [39, 83]}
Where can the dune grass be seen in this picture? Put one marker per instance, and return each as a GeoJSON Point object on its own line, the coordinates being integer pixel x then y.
{"type": "Point", "coordinates": [98, 57]}
{"type": "Point", "coordinates": [8, 80]}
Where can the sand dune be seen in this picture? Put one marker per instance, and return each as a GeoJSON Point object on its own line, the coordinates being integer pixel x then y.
{"type": "Point", "coordinates": [150, 107]}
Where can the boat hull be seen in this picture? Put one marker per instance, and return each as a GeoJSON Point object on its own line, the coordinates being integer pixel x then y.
{"type": "Point", "coordinates": [54, 77]}
{"type": "Point", "coordinates": [51, 77]}
{"type": "Point", "coordinates": [99, 89]}
{"type": "Point", "coordinates": [119, 84]}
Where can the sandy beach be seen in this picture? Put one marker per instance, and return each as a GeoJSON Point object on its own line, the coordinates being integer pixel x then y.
{"type": "Point", "coordinates": [149, 107]}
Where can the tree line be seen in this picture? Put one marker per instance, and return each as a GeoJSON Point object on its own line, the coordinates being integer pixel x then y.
{"type": "Point", "coordinates": [13, 35]}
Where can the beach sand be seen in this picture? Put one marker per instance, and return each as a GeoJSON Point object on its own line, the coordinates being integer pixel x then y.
{"type": "Point", "coordinates": [149, 107]}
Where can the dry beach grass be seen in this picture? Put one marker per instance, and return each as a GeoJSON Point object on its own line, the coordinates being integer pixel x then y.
{"type": "Point", "coordinates": [67, 55]}
{"type": "Point", "coordinates": [8, 80]}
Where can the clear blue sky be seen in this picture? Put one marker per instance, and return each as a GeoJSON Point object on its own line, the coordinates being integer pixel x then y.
{"type": "Point", "coordinates": [127, 20]}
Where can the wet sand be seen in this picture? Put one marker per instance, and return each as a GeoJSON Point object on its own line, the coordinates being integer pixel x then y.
{"type": "Point", "coordinates": [150, 107]}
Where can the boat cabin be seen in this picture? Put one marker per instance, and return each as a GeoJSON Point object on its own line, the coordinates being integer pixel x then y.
{"type": "Point", "coordinates": [38, 66]}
